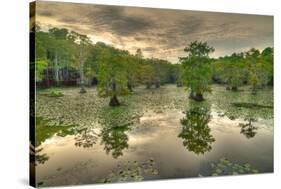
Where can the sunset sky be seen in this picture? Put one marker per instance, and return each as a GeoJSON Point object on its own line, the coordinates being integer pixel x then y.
{"type": "Point", "coordinates": [160, 33]}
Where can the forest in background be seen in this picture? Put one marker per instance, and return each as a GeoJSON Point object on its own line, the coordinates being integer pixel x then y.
{"type": "Point", "coordinates": [67, 58]}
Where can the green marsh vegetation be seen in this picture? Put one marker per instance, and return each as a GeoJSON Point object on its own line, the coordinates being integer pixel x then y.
{"type": "Point", "coordinates": [66, 56]}
{"type": "Point", "coordinates": [226, 167]}
{"type": "Point", "coordinates": [131, 171]}
{"type": "Point", "coordinates": [83, 85]}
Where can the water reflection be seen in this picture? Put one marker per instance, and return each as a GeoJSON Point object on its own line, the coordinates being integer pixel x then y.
{"type": "Point", "coordinates": [131, 171]}
{"type": "Point", "coordinates": [40, 158]}
{"type": "Point", "coordinates": [36, 155]}
{"type": "Point", "coordinates": [115, 140]}
{"type": "Point", "coordinates": [195, 131]}
{"type": "Point", "coordinates": [86, 138]}
{"type": "Point", "coordinates": [243, 105]}
{"type": "Point", "coordinates": [248, 129]}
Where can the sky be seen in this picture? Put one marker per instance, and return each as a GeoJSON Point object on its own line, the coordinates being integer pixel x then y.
{"type": "Point", "coordinates": [159, 33]}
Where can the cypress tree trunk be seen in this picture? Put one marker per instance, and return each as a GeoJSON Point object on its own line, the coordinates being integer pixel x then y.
{"type": "Point", "coordinates": [130, 87]}
{"type": "Point", "coordinates": [56, 69]}
{"type": "Point", "coordinates": [234, 88]}
{"type": "Point", "coordinates": [82, 90]}
{"type": "Point", "coordinates": [191, 95]}
{"type": "Point", "coordinates": [82, 82]}
{"type": "Point", "coordinates": [199, 97]}
{"type": "Point", "coordinates": [114, 101]}
{"type": "Point", "coordinates": [196, 96]}
{"type": "Point", "coordinates": [254, 90]}
{"type": "Point", "coordinates": [157, 84]}
{"type": "Point", "coordinates": [179, 84]}
{"type": "Point", "coordinates": [47, 77]}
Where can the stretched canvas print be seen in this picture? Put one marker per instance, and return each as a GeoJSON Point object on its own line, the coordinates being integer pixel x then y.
{"type": "Point", "coordinates": [124, 94]}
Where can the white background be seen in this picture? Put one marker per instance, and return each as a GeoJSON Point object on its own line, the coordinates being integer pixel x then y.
{"type": "Point", "coordinates": [14, 93]}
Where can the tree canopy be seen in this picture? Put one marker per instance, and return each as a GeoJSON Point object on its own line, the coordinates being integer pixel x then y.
{"type": "Point", "coordinates": [67, 57]}
{"type": "Point", "coordinates": [196, 69]}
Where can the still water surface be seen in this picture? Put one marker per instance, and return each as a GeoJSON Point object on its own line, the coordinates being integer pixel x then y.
{"type": "Point", "coordinates": [181, 140]}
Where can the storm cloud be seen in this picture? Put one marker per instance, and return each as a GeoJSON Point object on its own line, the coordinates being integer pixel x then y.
{"type": "Point", "coordinates": [160, 33]}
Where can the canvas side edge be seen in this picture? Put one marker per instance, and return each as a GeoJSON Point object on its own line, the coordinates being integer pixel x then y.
{"type": "Point", "coordinates": [32, 20]}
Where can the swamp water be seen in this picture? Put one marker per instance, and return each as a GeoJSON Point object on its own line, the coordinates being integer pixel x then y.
{"type": "Point", "coordinates": [155, 134]}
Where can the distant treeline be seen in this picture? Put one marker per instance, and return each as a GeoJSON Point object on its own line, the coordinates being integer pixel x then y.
{"type": "Point", "coordinates": [66, 57]}
{"type": "Point", "coordinates": [62, 55]}
{"type": "Point", "coordinates": [252, 67]}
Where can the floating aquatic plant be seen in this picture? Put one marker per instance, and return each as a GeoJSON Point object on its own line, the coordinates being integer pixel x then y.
{"type": "Point", "coordinates": [90, 110]}
{"type": "Point", "coordinates": [226, 167]}
{"type": "Point", "coordinates": [52, 92]}
{"type": "Point", "coordinates": [131, 171]}
{"type": "Point", "coordinates": [243, 104]}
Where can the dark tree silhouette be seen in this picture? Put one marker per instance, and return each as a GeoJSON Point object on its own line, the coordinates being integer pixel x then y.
{"type": "Point", "coordinates": [248, 129]}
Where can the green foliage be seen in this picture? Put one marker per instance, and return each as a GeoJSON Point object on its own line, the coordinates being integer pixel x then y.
{"type": "Point", "coordinates": [251, 67]}
{"type": "Point", "coordinates": [260, 66]}
{"type": "Point", "coordinates": [117, 117]}
{"type": "Point", "coordinates": [230, 70]}
{"type": "Point", "coordinates": [55, 48]}
{"type": "Point", "coordinates": [52, 92]}
{"type": "Point", "coordinates": [111, 71]}
{"type": "Point", "coordinates": [132, 67]}
{"type": "Point", "coordinates": [118, 72]}
{"type": "Point", "coordinates": [40, 66]}
{"type": "Point", "coordinates": [45, 130]}
{"type": "Point", "coordinates": [148, 75]}
{"type": "Point", "coordinates": [81, 49]}
{"type": "Point", "coordinates": [196, 67]}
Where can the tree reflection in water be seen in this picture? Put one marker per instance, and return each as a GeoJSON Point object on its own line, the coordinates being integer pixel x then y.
{"type": "Point", "coordinates": [36, 156]}
{"type": "Point", "coordinates": [39, 157]}
{"type": "Point", "coordinates": [248, 129]}
{"type": "Point", "coordinates": [115, 140]}
{"type": "Point", "coordinates": [86, 137]}
{"type": "Point", "coordinates": [195, 131]}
